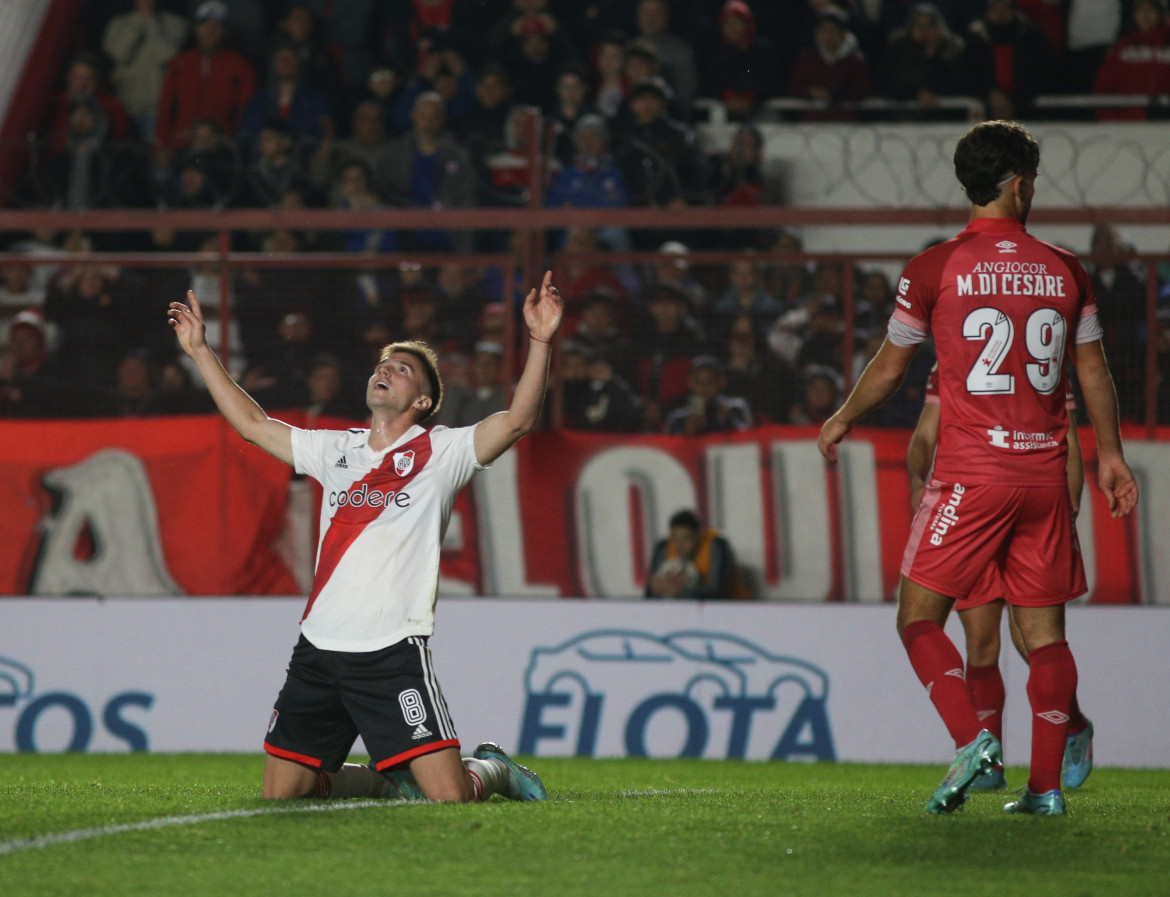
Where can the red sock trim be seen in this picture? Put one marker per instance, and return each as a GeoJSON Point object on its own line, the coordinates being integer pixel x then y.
{"type": "Point", "coordinates": [988, 672]}
{"type": "Point", "coordinates": [476, 785]}
{"type": "Point", "coordinates": [324, 785]}
{"type": "Point", "coordinates": [1048, 654]}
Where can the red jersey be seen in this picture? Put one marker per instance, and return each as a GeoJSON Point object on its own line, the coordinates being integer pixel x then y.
{"type": "Point", "coordinates": [1003, 308]}
{"type": "Point", "coordinates": [931, 394]}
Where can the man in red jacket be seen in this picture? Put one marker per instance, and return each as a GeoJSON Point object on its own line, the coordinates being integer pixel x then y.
{"type": "Point", "coordinates": [207, 81]}
{"type": "Point", "coordinates": [1138, 63]}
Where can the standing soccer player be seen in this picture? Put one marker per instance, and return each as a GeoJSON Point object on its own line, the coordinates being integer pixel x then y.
{"type": "Point", "coordinates": [1004, 309]}
{"type": "Point", "coordinates": [362, 665]}
{"type": "Point", "coordinates": [981, 611]}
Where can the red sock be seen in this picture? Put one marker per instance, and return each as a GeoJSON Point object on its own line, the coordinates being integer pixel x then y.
{"type": "Point", "coordinates": [1052, 682]}
{"type": "Point", "coordinates": [1076, 720]}
{"type": "Point", "coordinates": [987, 695]}
{"type": "Point", "coordinates": [939, 666]}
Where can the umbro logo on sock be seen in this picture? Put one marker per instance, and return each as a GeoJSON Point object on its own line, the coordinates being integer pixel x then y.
{"type": "Point", "coordinates": [341, 463]}
{"type": "Point", "coordinates": [420, 731]}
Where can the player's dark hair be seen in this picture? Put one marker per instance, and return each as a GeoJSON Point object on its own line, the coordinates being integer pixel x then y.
{"type": "Point", "coordinates": [686, 518]}
{"type": "Point", "coordinates": [990, 152]}
{"type": "Point", "coordinates": [430, 362]}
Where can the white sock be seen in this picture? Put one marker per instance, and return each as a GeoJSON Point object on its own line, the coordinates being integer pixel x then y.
{"type": "Point", "coordinates": [492, 774]}
{"type": "Point", "coordinates": [352, 780]}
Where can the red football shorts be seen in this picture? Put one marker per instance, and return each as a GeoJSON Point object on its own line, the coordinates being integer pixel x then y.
{"type": "Point", "coordinates": [1026, 532]}
{"type": "Point", "coordinates": [988, 588]}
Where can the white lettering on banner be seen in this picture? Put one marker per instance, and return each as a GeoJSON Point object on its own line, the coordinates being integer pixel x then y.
{"type": "Point", "coordinates": [501, 533]}
{"type": "Point", "coordinates": [803, 535]}
{"type": "Point", "coordinates": [860, 524]}
{"type": "Point", "coordinates": [605, 537]}
{"type": "Point", "coordinates": [108, 493]}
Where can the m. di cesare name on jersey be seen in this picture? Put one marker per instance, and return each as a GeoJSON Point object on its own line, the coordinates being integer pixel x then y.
{"type": "Point", "coordinates": [1010, 279]}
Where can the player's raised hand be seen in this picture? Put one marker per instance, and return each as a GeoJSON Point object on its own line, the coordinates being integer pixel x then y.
{"type": "Point", "coordinates": [832, 432]}
{"type": "Point", "coordinates": [187, 322]}
{"type": "Point", "coordinates": [543, 310]}
{"type": "Point", "coordinates": [1117, 482]}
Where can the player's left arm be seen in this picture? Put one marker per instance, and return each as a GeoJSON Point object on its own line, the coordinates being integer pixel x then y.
{"type": "Point", "coordinates": [1114, 477]}
{"type": "Point", "coordinates": [495, 434]}
{"type": "Point", "coordinates": [880, 380]}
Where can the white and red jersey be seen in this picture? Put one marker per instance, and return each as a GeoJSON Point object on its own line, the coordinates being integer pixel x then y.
{"type": "Point", "coordinates": [383, 518]}
{"type": "Point", "coordinates": [1004, 309]}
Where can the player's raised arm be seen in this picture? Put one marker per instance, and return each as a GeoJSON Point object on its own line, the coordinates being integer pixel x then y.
{"type": "Point", "coordinates": [238, 408]}
{"type": "Point", "coordinates": [494, 435]}
{"type": "Point", "coordinates": [1113, 474]}
{"type": "Point", "coordinates": [880, 380]}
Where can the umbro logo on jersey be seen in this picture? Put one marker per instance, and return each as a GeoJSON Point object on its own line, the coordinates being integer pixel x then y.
{"type": "Point", "coordinates": [420, 731]}
{"type": "Point", "coordinates": [1005, 246]}
{"type": "Point", "coordinates": [341, 463]}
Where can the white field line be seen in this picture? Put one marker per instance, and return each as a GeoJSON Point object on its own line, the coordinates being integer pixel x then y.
{"type": "Point", "coordinates": [39, 842]}
{"type": "Point", "coordinates": [18, 845]}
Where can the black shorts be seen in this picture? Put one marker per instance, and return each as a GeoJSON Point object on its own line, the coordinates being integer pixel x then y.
{"type": "Point", "coordinates": [390, 697]}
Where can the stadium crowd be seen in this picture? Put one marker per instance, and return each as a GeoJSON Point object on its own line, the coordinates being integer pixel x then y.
{"type": "Point", "coordinates": [366, 104]}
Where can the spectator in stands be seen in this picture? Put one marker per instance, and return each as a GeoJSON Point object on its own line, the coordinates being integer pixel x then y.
{"type": "Point", "coordinates": [134, 386]}
{"type": "Point", "coordinates": [535, 52]}
{"type": "Point", "coordinates": [675, 55]}
{"type": "Point", "coordinates": [439, 69]}
{"type": "Point", "coordinates": [18, 293]}
{"type": "Point", "coordinates": [742, 70]}
{"type": "Point", "coordinates": [276, 168]}
{"type": "Point", "coordinates": [670, 339]}
{"type": "Point", "coordinates": [1091, 27]}
{"type": "Point", "coordinates": [462, 301]}
{"type": "Point", "coordinates": [610, 84]}
{"type": "Point", "coordinates": [426, 168]}
{"type": "Point", "coordinates": [91, 311]}
{"type": "Point", "coordinates": [367, 144]}
{"type": "Point", "coordinates": [833, 70]}
{"type": "Point", "coordinates": [300, 30]}
{"type": "Point", "coordinates": [84, 79]}
{"type": "Point", "coordinates": [325, 391]}
{"type": "Point", "coordinates": [141, 43]}
{"type": "Point", "coordinates": [822, 388]}
{"type": "Point", "coordinates": [789, 280]}
{"type": "Point", "coordinates": [289, 98]}
{"type": "Point", "coordinates": [481, 129]}
{"type": "Point", "coordinates": [811, 331]}
{"type": "Point", "coordinates": [694, 562]}
{"type": "Point", "coordinates": [593, 180]}
{"type": "Point", "coordinates": [26, 388]}
{"type": "Point", "coordinates": [354, 190]}
{"type": "Point", "coordinates": [598, 399]}
{"type": "Point", "coordinates": [707, 408]}
{"type": "Point", "coordinates": [579, 272]}
{"type": "Point", "coordinates": [745, 295]}
{"type": "Point", "coordinates": [572, 105]}
{"type": "Point", "coordinates": [1008, 60]}
{"type": "Point", "coordinates": [674, 269]}
{"type": "Point", "coordinates": [207, 81]}
{"type": "Point", "coordinates": [350, 36]}
{"type": "Point", "coordinates": [467, 406]}
{"type": "Point", "coordinates": [738, 181]}
{"type": "Point", "coordinates": [660, 158]}
{"type": "Point", "coordinates": [765, 382]}
{"type": "Point", "coordinates": [922, 61]}
{"type": "Point", "coordinates": [506, 177]}
{"type": "Point", "coordinates": [1138, 63]}
{"type": "Point", "coordinates": [1120, 287]}
{"type": "Point", "coordinates": [602, 328]}
{"type": "Point", "coordinates": [90, 171]}
{"type": "Point", "coordinates": [207, 173]}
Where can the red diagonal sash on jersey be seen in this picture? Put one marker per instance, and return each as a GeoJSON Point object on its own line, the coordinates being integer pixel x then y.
{"type": "Point", "coordinates": [354, 520]}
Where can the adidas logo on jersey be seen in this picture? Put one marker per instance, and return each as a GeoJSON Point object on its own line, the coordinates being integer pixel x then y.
{"type": "Point", "coordinates": [341, 463]}
{"type": "Point", "coordinates": [420, 731]}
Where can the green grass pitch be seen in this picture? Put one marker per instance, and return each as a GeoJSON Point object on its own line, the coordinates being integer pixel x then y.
{"type": "Point", "coordinates": [192, 825]}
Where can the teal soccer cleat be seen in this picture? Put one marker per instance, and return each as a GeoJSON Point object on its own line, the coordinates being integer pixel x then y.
{"type": "Point", "coordinates": [1050, 803]}
{"type": "Point", "coordinates": [1078, 757]}
{"type": "Point", "coordinates": [978, 758]}
{"type": "Point", "coordinates": [523, 783]}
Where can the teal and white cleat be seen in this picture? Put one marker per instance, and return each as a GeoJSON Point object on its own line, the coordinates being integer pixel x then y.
{"type": "Point", "coordinates": [523, 783]}
{"type": "Point", "coordinates": [989, 781]}
{"type": "Point", "coordinates": [1050, 803]}
{"type": "Point", "coordinates": [1078, 757]}
{"type": "Point", "coordinates": [978, 758]}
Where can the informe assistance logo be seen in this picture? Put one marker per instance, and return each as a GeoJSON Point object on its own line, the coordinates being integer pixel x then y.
{"type": "Point", "coordinates": [685, 694]}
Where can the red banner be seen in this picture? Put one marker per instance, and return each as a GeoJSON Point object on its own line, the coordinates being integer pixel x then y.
{"type": "Point", "coordinates": [184, 506]}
